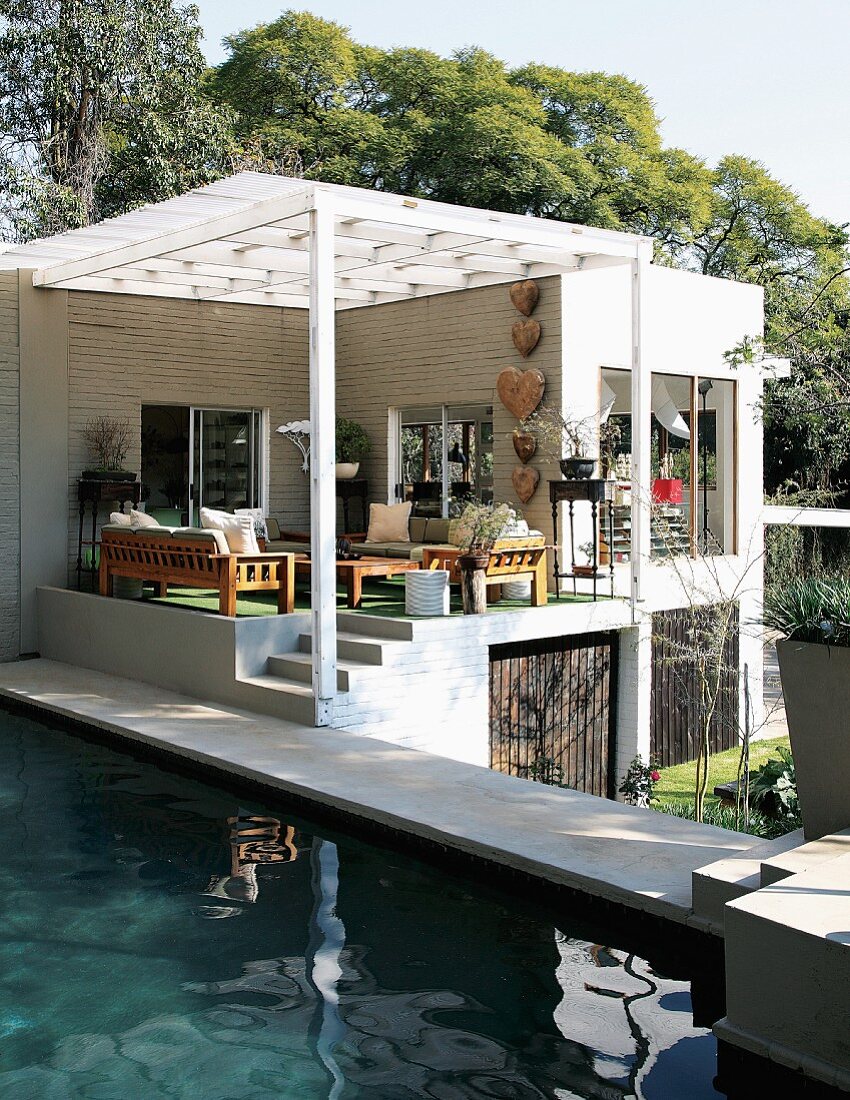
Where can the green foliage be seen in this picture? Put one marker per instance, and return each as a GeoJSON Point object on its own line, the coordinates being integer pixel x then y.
{"type": "Point", "coordinates": [773, 789]}
{"type": "Point", "coordinates": [725, 817]}
{"type": "Point", "coordinates": [480, 525]}
{"type": "Point", "coordinates": [352, 442]}
{"type": "Point", "coordinates": [810, 609]}
{"type": "Point", "coordinates": [101, 109]}
{"type": "Point", "coordinates": [639, 781]}
{"type": "Point", "coordinates": [547, 770]}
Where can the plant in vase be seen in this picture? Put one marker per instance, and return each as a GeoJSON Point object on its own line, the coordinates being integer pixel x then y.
{"type": "Point", "coordinates": [352, 446]}
{"type": "Point", "coordinates": [586, 569]}
{"type": "Point", "coordinates": [474, 533]}
{"type": "Point", "coordinates": [108, 440]}
{"type": "Point", "coordinates": [568, 439]}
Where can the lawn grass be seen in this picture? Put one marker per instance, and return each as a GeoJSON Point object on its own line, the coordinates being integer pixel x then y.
{"type": "Point", "coordinates": [381, 596]}
{"type": "Point", "coordinates": [677, 784]}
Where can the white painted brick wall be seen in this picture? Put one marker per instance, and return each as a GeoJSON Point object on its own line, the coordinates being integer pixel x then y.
{"type": "Point", "coordinates": [9, 481]}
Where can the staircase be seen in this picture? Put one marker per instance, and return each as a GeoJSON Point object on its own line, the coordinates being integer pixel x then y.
{"type": "Point", "coordinates": [366, 648]}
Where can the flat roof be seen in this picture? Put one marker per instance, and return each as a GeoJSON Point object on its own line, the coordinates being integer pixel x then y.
{"type": "Point", "coordinates": [246, 238]}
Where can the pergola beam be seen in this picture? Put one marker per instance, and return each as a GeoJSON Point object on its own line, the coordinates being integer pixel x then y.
{"type": "Point", "coordinates": [256, 214]}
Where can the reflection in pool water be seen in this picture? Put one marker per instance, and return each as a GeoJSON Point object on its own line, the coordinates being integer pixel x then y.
{"type": "Point", "coordinates": [162, 939]}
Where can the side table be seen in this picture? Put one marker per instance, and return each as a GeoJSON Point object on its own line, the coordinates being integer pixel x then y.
{"type": "Point", "coordinates": [346, 488]}
{"type": "Point", "coordinates": [593, 491]}
{"type": "Point", "coordinates": [93, 491]}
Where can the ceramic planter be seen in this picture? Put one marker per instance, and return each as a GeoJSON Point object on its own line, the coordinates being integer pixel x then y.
{"type": "Point", "coordinates": [576, 468]}
{"type": "Point", "coordinates": [667, 490]}
{"type": "Point", "coordinates": [345, 471]}
{"type": "Point", "coordinates": [816, 686]}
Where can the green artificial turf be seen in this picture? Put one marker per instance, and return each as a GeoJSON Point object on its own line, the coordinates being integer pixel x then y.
{"type": "Point", "coordinates": [677, 783]}
{"type": "Point", "coordinates": [380, 597]}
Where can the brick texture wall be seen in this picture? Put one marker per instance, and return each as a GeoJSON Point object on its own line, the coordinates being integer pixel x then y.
{"type": "Point", "coordinates": [9, 482]}
{"type": "Point", "coordinates": [125, 352]}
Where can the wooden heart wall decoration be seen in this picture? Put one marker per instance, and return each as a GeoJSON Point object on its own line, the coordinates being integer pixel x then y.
{"type": "Point", "coordinates": [520, 391]}
{"type": "Point", "coordinates": [524, 444]}
{"type": "Point", "coordinates": [525, 479]}
{"type": "Point", "coordinates": [525, 296]}
{"type": "Point", "coordinates": [525, 335]}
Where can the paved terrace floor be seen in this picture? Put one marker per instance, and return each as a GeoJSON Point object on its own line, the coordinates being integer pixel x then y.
{"type": "Point", "coordinates": [636, 858]}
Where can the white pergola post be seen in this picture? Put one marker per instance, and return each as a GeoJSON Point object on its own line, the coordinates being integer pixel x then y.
{"type": "Point", "coordinates": [641, 414]}
{"type": "Point", "coordinates": [323, 457]}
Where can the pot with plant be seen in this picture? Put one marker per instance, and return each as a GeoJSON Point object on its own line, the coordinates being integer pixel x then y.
{"type": "Point", "coordinates": [352, 446]}
{"type": "Point", "coordinates": [588, 568]}
{"type": "Point", "coordinates": [565, 438]}
{"type": "Point", "coordinates": [812, 617]}
{"type": "Point", "coordinates": [108, 441]}
{"type": "Point", "coordinates": [479, 527]}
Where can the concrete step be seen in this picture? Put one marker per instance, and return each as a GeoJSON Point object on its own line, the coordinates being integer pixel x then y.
{"type": "Point", "coordinates": [299, 667]}
{"type": "Point", "coordinates": [805, 857]}
{"type": "Point", "coordinates": [727, 879]}
{"type": "Point", "coordinates": [290, 699]}
{"type": "Point", "coordinates": [357, 647]}
{"type": "Point", "coordinates": [375, 626]}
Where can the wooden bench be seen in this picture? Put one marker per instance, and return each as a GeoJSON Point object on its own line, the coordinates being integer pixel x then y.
{"type": "Point", "coordinates": [195, 562]}
{"type": "Point", "coordinates": [510, 560]}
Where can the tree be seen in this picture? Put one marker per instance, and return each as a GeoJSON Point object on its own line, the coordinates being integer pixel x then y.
{"type": "Point", "coordinates": [101, 109]}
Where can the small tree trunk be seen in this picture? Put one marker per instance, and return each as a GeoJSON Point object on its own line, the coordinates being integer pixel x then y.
{"type": "Point", "coordinates": [473, 587]}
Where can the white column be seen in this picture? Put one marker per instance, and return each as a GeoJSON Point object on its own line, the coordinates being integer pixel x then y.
{"type": "Point", "coordinates": [641, 413]}
{"type": "Point", "coordinates": [634, 696]}
{"type": "Point", "coordinates": [323, 457]}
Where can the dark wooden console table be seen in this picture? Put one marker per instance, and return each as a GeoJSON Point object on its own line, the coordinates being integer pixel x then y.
{"type": "Point", "coordinates": [593, 491]}
{"type": "Point", "coordinates": [346, 488]}
{"type": "Point", "coordinates": [94, 492]}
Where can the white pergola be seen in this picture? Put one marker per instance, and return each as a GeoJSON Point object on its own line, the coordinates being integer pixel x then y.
{"type": "Point", "coordinates": [270, 240]}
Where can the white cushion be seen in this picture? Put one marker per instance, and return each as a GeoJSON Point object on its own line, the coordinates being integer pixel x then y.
{"type": "Point", "coordinates": [389, 522]}
{"type": "Point", "coordinates": [238, 530]}
{"type": "Point", "coordinates": [142, 519]}
{"type": "Point", "coordinates": [257, 518]}
{"type": "Point", "coordinates": [120, 519]}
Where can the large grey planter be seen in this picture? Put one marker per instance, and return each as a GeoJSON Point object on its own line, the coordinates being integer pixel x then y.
{"type": "Point", "coordinates": [816, 686]}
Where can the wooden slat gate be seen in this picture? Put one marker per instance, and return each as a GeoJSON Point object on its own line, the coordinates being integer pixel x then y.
{"type": "Point", "coordinates": [674, 714]}
{"type": "Point", "coordinates": [553, 702]}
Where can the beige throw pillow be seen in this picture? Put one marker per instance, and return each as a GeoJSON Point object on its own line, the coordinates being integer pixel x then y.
{"type": "Point", "coordinates": [389, 522]}
{"type": "Point", "coordinates": [120, 519]}
{"type": "Point", "coordinates": [238, 530]}
{"type": "Point", "coordinates": [141, 519]}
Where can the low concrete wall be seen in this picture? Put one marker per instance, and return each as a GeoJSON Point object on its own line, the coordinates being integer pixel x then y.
{"type": "Point", "coordinates": [185, 651]}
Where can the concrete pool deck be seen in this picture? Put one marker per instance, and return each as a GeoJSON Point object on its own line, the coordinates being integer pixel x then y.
{"type": "Point", "coordinates": [639, 859]}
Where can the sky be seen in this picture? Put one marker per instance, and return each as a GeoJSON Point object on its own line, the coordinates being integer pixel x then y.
{"type": "Point", "coordinates": [769, 79]}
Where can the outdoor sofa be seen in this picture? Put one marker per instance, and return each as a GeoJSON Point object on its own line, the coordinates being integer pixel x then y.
{"type": "Point", "coordinates": [193, 557]}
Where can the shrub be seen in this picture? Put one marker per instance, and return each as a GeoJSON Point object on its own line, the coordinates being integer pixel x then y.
{"type": "Point", "coordinates": [725, 817]}
{"type": "Point", "coordinates": [639, 781]}
{"type": "Point", "coordinates": [810, 609]}
{"type": "Point", "coordinates": [773, 789]}
{"type": "Point", "coordinates": [352, 442]}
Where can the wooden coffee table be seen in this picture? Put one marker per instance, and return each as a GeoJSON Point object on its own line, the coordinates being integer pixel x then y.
{"type": "Point", "coordinates": [353, 572]}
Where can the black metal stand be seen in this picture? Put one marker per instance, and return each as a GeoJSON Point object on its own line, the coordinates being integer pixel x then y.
{"type": "Point", "coordinates": [346, 488]}
{"type": "Point", "coordinates": [593, 491]}
{"type": "Point", "coordinates": [94, 492]}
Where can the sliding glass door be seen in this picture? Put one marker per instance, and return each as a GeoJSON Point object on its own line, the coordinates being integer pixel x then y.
{"type": "Point", "coordinates": [226, 459]}
{"type": "Point", "coordinates": [445, 456]}
{"type": "Point", "coordinates": [193, 458]}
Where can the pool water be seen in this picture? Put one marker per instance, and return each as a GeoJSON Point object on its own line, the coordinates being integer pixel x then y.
{"type": "Point", "coordinates": [163, 938]}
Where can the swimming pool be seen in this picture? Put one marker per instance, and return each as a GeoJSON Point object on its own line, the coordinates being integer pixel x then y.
{"type": "Point", "coordinates": [163, 938]}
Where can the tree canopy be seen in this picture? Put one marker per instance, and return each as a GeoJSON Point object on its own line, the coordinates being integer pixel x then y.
{"type": "Point", "coordinates": [101, 109]}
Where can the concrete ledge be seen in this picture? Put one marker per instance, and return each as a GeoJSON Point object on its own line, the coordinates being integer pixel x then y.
{"type": "Point", "coordinates": [805, 857]}
{"type": "Point", "coordinates": [635, 858]}
{"type": "Point", "coordinates": [788, 972]}
{"type": "Point", "coordinates": [719, 883]}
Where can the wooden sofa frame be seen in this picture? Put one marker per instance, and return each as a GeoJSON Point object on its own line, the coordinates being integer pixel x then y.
{"type": "Point", "coordinates": [195, 563]}
{"type": "Point", "coordinates": [510, 560]}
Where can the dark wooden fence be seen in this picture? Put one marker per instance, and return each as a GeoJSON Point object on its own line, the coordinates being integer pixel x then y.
{"type": "Point", "coordinates": [675, 710]}
{"type": "Point", "coordinates": [552, 708]}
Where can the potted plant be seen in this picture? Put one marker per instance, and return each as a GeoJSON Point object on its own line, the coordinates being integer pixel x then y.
{"type": "Point", "coordinates": [585, 570]}
{"type": "Point", "coordinates": [352, 446]}
{"type": "Point", "coordinates": [108, 441]}
{"type": "Point", "coordinates": [565, 438]}
{"type": "Point", "coordinates": [812, 617]}
{"type": "Point", "coordinates": [475, 532]}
